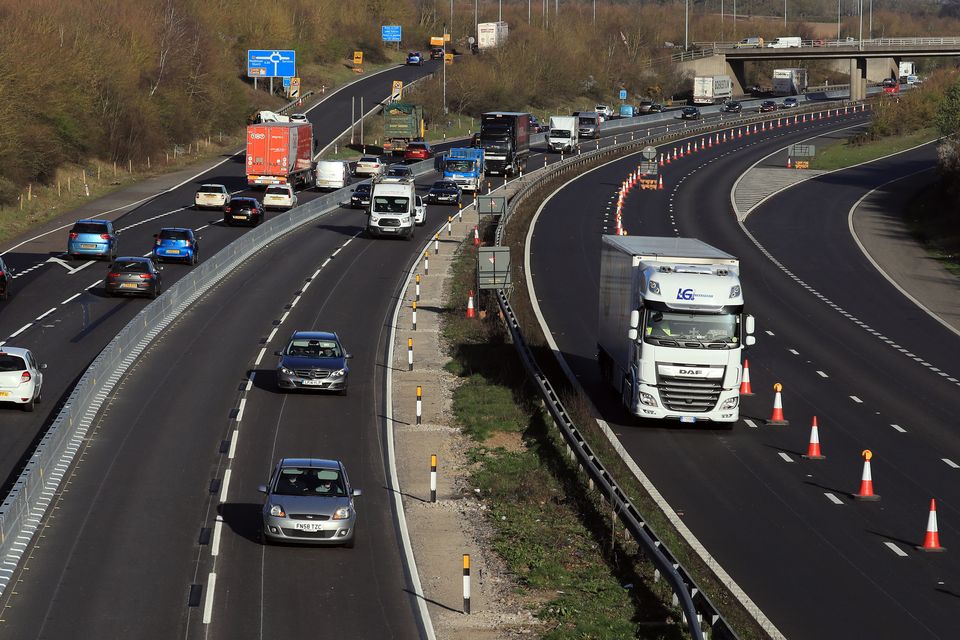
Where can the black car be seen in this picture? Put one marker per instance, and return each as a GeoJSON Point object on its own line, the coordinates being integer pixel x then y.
{"type": "Point", "coordinates": [444, 192]}
{"type": "Point", "coordinates": [767, 106]}
{"type": "Point", "coordinates": [360, 196]}
{"type": "Point", "coordinates": [245, 210]}
{"type": "Point", "coordinates": [436, 53]}
{"type": "Point", "coordinates": [5, 279]}
{"type": "Point", "coordinates": [656, 107]}
{"type": "Point", "coordinates": [314, 360]}
{"type": "Point", "coordinates": [133, 275]}
{"type": "Point", "coordinates": [690, 113]}
{"type": "Point", "coordinates": [732, 107]}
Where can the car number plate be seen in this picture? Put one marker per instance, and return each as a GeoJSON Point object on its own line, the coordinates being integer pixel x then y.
{"type": "Point", "coordinates": [173, 250]}
{"type": "Point", "coordinates": [4, 394]}
{"type": "Point", "coordinates": [241, 215]}
{"type": "Point", "coordinates": [308, 526]}
{"type": "Point", "coordinates": [687, 419]}
{"type": "Point", "coordinates": [128, 285]}
{"type": "Point", "coordinates": [313, 383]}
{"type": "Point", "coordinates": [88, 246]}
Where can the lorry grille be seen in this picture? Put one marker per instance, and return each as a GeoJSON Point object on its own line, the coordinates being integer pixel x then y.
{"type": "Point", "coordinates": [690, 395]}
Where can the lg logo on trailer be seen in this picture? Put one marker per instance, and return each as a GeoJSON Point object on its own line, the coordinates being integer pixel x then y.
{"type": "Point", "coordinates": [684, 294]}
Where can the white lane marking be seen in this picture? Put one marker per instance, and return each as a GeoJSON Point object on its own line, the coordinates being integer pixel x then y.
{"type": "Point", "coordinates": [20, 330]}
{"type": "Point", "coordinates": [76, 295]}
{"type": "Point", "coordinates": [225, 487]}
{"type": "Point", "coordinates": [217, 532]}
{"type": "Point", "coordinates": [243, 404]}
{"type": "Point", "coordinates": [91, 285]}
{"type": "Point", "coordinates": [305, 286]}
{"type": "Point", "coordinates": [899, 428]}
{"type": "Point", "coordinates": [832, 498]}
{"type": "Point", "coordinates": [317, 272]}
{"type": "Point", "coordinates": [283, 318]}
{"type": "Point", "coordinates": [794, 352]}
{"type": "Point", "coordinates": [233, 444]}
{"type": "Point", "coordinates": [336, 252]}
{"type": "Point", "coordinates": [45, 314]}
{"type": "Point", "coordinates": [295, 301]}
{"type": "Point", "coordinates": [81, 267]}
{"type": "Point", "coordinates": [856, 399]}
{"type": "Point", "coordinates": [272, 333]}
{"type": "Point", "coordinates": [145, 221]}
{"type": "Point", "coordinates": [822, 374]}
{"type": "Point", "coordinates": [770, 333]}
{"type": "Point", "coordinates": [208, 604]}
{"type": "Point", "coordinates": [250, 380]}
{"type": "Point", "coordinates": [201, 228]}
{"type": "Point", "coordinates": [750, 423]}
{"type": "Point", "coordinates": [260, 357]}
{"type": "Point", "coordinates": [148, 254]}
{"type": "Point", "coordinates": [785, 456]}
{"type": "Point", "coordinates": [897, 550]}
{"type": "Point", "coordinates": [951, 463]}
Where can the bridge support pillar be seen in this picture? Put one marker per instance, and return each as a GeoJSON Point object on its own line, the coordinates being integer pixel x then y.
{"type": "Point", "coordinates": [858, 78]}
{"type": "Point", "coordinates": [737, 74]}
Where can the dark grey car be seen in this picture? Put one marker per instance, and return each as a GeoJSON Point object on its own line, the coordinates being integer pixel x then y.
{"type": "Point", "coordinates": [133, 275]}
{"type": "Point", "coordinates": [313, 360]}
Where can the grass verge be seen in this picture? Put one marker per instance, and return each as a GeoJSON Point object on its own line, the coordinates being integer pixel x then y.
{"type": "Point", "coordinates": [932, 218]}
{"type": "Point", "coordinates": [841, 154]}
{"type": "Point", "coordinates": [581, 578]}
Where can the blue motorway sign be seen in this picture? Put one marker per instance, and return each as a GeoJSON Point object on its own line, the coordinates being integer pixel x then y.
{"type": "Point", "coordinates": [390, 33]}
{"type": "Point", "coordinates": [623, 94]}
{"type": "Point", "coordinates": [271, 63]}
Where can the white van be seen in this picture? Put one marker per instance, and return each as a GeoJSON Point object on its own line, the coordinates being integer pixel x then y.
{"type": "Point", "coordinates": [786, 43]}
{"type": "Point", "coordinates": [392, 209]}
{"type": "Point", "coordinates": [332, 174]}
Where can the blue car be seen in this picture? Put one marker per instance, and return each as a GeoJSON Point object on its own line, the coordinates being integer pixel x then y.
{"type": "Point", "coordinates": [94, 238]}
{"type": "Point", "coordinates": [176, 243]}
{"type": "Point", "coordinates": [415, 57]}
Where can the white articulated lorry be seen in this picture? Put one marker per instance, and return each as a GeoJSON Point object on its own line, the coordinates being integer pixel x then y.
{"type": "Point", "coordinates": [671, 328]}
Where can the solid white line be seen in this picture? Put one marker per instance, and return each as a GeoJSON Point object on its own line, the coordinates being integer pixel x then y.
{"type": "Point", "coordinates": [260, 357]}
{"type": "Point", "coordinates": [20, 330]}
{"type": "Point", "coordinates": [897, 550]}
{"type": "Point", "coordinates": [951, 463]}
{"type": "Point", "coordinates": [217, 532]}
{"type": "Point", "coordinates": [225, 486]}
{"type": "Point", "coordinates": [45, 314]}
{"type": "Point", "coordinates": [856, 399]}
{"type": "Point", "coordinates": [233, 443]}
{"type": "Point", "coordinates": [750, 423]}
{"type": "Point", "coordinates": [243, 404]}
{"type": "Point", "coordinates": [822, 374]}
{"type": "Point", "coordinates": [832, 498]}
{"type": "Point", "coordinates": [785, 456]}
{"type": "Point", "coordinates": [76, 295]}
{"type": "Point", "coordinates": [208, 604]}
{"type": "Point", "coordinates": [899, 428]}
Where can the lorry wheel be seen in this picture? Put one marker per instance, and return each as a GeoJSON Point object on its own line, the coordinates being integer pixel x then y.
{"type": "Point", "coordinates": [626, 393]}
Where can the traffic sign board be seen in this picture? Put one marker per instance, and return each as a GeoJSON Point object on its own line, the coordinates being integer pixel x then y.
{"type": "Point", "coordinates": [396, 91]}
{"type": "Point", "coordinates": [271, 63]}
{"type": "Point", "coordinates": [391, 33]}
{"type": "Point", "coordinates": [436, 41]}
{"type": "Point", "coordinates": [294, 87]}
{"type": "Point", "coordinates": [623, 94]}
{"type": "Point", "coordinates": [448, 58]}
{"type": "Point", "coordinates": [358, 58]}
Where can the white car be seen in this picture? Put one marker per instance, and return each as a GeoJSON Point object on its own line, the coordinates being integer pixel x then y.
{"type": "Point", "coordinates": [21, 379]}
{"type": "Point", "coordinates": [369, 166]}
{"type": "Point", "coordinates": [604, 110]}
{"type": "Point", "coordinates": [420, 212]}
{"type": "Point", "coordinates": [279, 196]}
{"type": "Point", "coordinates": [211, 196]}
{"type": "Point", "coordinates": [298, 117]}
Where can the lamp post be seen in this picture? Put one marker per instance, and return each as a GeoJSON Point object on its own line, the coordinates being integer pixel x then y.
{"type": "Point", "coordinates": [838, 20]}
{"type": "Point", "coordinates": [860, 39]}
{"type": "Point", "coordinates": [686, 25]}
{"type": "Point", "coordinates": [784, 14]}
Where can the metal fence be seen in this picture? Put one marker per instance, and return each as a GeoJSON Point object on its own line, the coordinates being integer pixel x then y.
{"type": "Point", "coordinates": [23, 508]}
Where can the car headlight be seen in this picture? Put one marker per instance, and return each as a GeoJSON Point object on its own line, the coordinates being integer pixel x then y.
{"type": "Point", "coordinates": [654, 287]}
{"type": "Point", "coordinates": [286, 371]}
{"type": "Point", "coordinates": [342, 513]}
{"type": "Point", "coordinates": [730, 403]}
{"type": "Point", "coordinates": [277, 510]}
{"type": "Point", "coordinates": [339, 373]}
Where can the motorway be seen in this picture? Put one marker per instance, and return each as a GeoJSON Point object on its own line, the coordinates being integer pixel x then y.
{"type": "Point", "coordinates": [848, 348]}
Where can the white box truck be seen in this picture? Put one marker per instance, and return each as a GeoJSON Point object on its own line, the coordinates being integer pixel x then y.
{"type": "Point", "coordinates": [564, 134]}
{"type": "Point", "coordinates": [789, 82]}
{"type": "Point", "coordinates": [392, 208]}
{"type": "Point", "coordinates": [712, 89]}
{"type": "Point", "coordinates": [907, 68]}
{"type": "Point", "coordinates": [491, 34]}
{"type": "Point", "coordinates": [671, 329]}
{"type": "Point", "coordinates": [787, 42]}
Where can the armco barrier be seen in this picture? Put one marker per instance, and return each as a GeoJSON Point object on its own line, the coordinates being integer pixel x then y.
{"type": "Point", "coordinates": [692, 600]}
{"type": "Point", "coordinates": [23, 508]}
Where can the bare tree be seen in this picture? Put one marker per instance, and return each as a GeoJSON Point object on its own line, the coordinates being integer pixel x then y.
{"type": "Point", "coordinates": [172, 29]}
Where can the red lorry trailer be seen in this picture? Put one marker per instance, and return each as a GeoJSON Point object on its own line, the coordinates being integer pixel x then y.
{"type": "Point", "coordinates": [280, 153]}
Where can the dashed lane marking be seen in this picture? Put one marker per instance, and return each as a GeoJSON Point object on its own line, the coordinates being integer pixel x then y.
{"type": "Point", "coordinates": [832, 498]}
{"type": "Point", "coordinates": [950, 463]}
{"type": "Point", "coordinates": [856, 399]}
{"type": "Point", "coordinates": [822, 374]}
{"type": "Point", "coordinates": [786, 457]}
{"type": "Point", "coordinates": [897, 550]}
{"type": "Point", "coordinates": [76, 295]}
{"type": "Point", "coordinates": [899, 428]}
{"type": "Point", "coordinates": [750, 423]}
{"type": "Point", "coordinates": [208, 602]}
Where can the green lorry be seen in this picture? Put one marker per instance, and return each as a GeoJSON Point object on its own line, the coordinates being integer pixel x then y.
{"type": "Point", "coordinates": [402, 123]}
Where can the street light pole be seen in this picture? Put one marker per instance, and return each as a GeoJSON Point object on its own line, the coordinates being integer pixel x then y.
{"type": "Point", "coordinates": [686, 25]}
{"type": "Point", "coordinates": [838, 20]}
{"type": "Point", "coordinates": [871, 21]}
{"type": "Point", "coordinates": [500, 12]}
{"type": "Point", "coordinates": [860, 39]}
{"type": "Point", "coordinates": [784, 14]}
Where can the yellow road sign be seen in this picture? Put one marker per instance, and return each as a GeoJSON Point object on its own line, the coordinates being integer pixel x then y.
{"type": "Point", "coordinates": [436, 41]}
{"type": "Point", "coordinates": [396, 92]}
{"type": "Point", "coordinates": [358, 58]}
{"type": "Point", "coordinates": [802, 164]}
{"type": "Point", "coordinates": [448, 58]}
{"type": "Point", "coordinates": [294, 87]}
{"type": "Point", "coordinates": [446, 37]}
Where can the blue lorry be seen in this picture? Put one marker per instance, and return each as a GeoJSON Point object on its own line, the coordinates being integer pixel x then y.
{"type": "Point", "coordinates": [465, 167]}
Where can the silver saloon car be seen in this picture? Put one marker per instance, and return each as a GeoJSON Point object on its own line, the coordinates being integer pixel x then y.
{"type": "Point", "coordinates": [309, 501]}
{"type": "Point", "coordinates": [313, 360]}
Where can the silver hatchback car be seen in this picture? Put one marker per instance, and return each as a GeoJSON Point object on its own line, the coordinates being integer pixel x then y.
{"type": "Point", "coordinates": [309, 501]}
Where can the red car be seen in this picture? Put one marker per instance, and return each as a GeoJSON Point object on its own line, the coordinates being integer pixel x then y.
{"type": "Point", "coordinates": [418, 151]}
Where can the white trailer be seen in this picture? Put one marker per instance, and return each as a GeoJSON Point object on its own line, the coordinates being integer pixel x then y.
{"type": "Point", "coordinates": [564, 134]}
{"type": "Point", "coordinates": [789, 82]}
{"type": "Point", "coordinates": [712, 89]}
{"type": "Point", "coordinates": [671, 328]}
{"type": "Point", "coordinates": [907, 68]}
{"type": "Point", "coordinates": [491, 34]}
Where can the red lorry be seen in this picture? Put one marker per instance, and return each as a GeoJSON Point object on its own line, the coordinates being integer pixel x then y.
{"type": "Point", "coordinates": [280, 153]}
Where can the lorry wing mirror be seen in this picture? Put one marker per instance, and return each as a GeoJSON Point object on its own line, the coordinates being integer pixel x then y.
{"type": "Point", "coordinates": [634, 319]}
{"type": "Point", "coordinates": [750, 341]}
{"type": "Point", "coordinates": [632, 334]}
{"type": "Point", "coordinates": [750, 325]}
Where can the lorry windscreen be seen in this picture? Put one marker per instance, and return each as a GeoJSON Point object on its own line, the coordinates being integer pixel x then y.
{"type": "Point", "coordinates": [692, 327]}
{"type": "Point", "coordinates": [391, 204]}
{"type": "Point", "coordinates": [559, 133]}
{"type": "Point", "coordinates": [459, 166]}
{"type": "Point", "coordinates": [495, 144]}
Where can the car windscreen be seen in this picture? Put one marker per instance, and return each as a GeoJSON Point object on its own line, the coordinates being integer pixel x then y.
{"type": "Point", "coordinates": [240, 203]}
{"type": "Point", "coordinates": [174, 234]}
{"type": "Point", "coordinates": [587, 121]}
{"type": "Point", "coordinates": [89, 227]}
{"type": "Point", "coordinates": [368, 160]}
{"type": "Point", "coordinates": [131, 266]}
{"type": "Point", "coordinates": [306, 348]}
{"type": "Point", "coordinates": [214, 190]}
{"type": "Point", "coordinates": [399, 172]}
{"type": "Point", "coordinates": [444, 184]}
{"type": "Point", "coordinates": [362, 189]}
{"type": "Point", "coordinates": [391, 204]}
{"type": "Point", "coordinates": [277, 191]}
{"type": "Point", "coordinates": [10, 362]}
{"type": "Point", "coordinates": [307, 481]}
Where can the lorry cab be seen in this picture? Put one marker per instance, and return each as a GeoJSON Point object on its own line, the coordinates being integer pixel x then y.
{"type": "Point", "coordinates": [392, 208]}
{"type": "Point", "coordinates": [564, 134]}
{"type": "Point", "coordinates": [464, 166]}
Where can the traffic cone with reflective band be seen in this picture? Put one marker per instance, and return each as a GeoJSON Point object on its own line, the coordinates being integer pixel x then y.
{"type": "Point", "coordinates": [866, 480]}
{"type": "Point", "coordinates": [470, 311]}
{"type": "Point", "coordinates": [661, 159]}
{"type": "Point", "coordinates": [688, 147]}
{"type": "Point", "coordinates": [754, 129]}
{"type": "Point", "coordinates": [745, 389]}
{"type": "Point", "coordinates": [740, 133]}
{"type": "Point", "coordinates": [660, 184]}
{"type": "Point", "coordinates": [776, 418]}
{"type": "Point", "coordinates": [788, 162]}
{"type": "Point", "coordinates": [747, 132]}
{"type": "Point", "coordinates": [931, 541]}
{"type": "Point", "coordinates": [724, 136]}
{"type": "Point", "coordinates": [763, 126]}
{"type": "Point", "coordinates": [813, 449]}
{"type": "Point", "coordinates": [476, 236]}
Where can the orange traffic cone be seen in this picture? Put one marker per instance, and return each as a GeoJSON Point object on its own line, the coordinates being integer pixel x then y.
{"type": "Point", "coordinates": [745, 389]}
{"type": "Point", "coordinates": [661, 159]}
{"type": "Point", "coordinates": [931, 541]}
{"type": "Point", "coordinates": [788, 162]}
{"type": "Point", "coordinates": [470, 311]}
{"type": "Point", "coordinates": [813, 449]}
{"type": "Point", "coordinates": [866, 480]}
{"type": "Point", "coordinates": [476, 236]}
{"type": "Point", "coordinates": [777, 417]}
{"type": "Point", "coordinates": [660, 184]}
